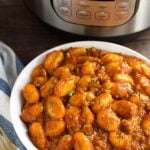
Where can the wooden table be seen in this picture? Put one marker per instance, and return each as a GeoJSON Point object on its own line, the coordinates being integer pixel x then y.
{"type": "Point", "coordinates": [28, 36]}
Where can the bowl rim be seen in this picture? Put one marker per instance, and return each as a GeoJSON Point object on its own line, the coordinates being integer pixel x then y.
{"type": "Point", "coordinates": [15, 117]}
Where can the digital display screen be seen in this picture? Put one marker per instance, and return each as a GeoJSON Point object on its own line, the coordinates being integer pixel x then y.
{"type": "Point", "coordinates": [102, 0]}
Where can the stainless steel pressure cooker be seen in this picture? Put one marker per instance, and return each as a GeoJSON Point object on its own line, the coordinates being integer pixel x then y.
{"type": "Point", "coordinates": [98, 18]}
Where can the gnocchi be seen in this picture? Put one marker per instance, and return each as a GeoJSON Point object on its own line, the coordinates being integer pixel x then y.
{"type": "Point", "coordinates": [62, 72]}
{"type": "Point", "coordinates": [121, 77]}
{"type": "Point", "coordinates": [36, 132]}
{"type": "Point", "coordinates": [83, 99]}
{"type": "Point", "coordinates": [78, 51]}
{"type": "Point", "coordinates": [124, 108]}
{"type": "Point", "coordinates": [111, 57]}
{"type": "Point", "coordinates": [55, 107]}
{"type": "Point", "coordinates": [53, 60]}
{"type": "Point", "coordinates": [102, 101]}
{"type": "Point", "coordinates": [88, 68]}
{"type": "Point", "coordinates": [31, 93]}
{"type": "Point", "coordinates": [81, 142]}
{"type": "Point", "coordinates": [30, 113]}
{"type": "Point", "coordinates": [65, 143]}
{"type": "Point", "coordinates": [39, 71]}
{"type": "Point", "coordinates": [87, 115]}
{"type": "Point", "coordinates": [88, 99]}
{"type": "Point", "coordinates": [120, 140]}
{"type": "Point", "coordinates": [83, 83]}
{"type": "Point", "coordinates": [107, 120]}
{"type": "Point", "coordinates": [39, 81]}
{"type": "Point", "coordinates": [63, 86]}
{"type": "Point", "coordinates": [54, 128]}
{"type": "Point", "coordinates": [146, 122]}
{"type": "Point", "coordinates": [48, 88]}
{"type": "Point", "coordinates": [111, 66]}
{"type": "Point", "coordinates": [77, 100]}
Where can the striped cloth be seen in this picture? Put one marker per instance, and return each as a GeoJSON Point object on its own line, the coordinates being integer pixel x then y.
{"type": "Point", "coordinates": [10, 67]}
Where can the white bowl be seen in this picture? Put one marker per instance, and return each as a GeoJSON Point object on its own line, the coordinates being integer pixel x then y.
{"type": "Point", "coordinates": [24, 77]}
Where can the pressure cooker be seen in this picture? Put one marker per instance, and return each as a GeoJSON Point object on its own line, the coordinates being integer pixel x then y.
{"type": "Point", "coordinates": [98, 18]}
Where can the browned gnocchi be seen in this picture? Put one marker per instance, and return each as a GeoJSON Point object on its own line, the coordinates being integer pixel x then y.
{"type": "Point", "coordinates": [36, 132]}
{"type": "Point", "coordinates": [88, 99]}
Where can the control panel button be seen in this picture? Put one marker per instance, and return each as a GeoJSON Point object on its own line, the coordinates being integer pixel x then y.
{"type": "Point", "coordinates": [65, 3]}
{"type": "Point", "coordinates": [83, 3]}
{"type": "Point", "coordinates": [121, 15]}
{"type": "Point", "coordinates": [122, 6]}
{"type": "Point", "coordinates": [65, 11]}
{"type": "Point", "coordinates": [82, 14]}
{"type": "Point", "coordinates": [102, 15]}
{"type": "Point", "coordinates": [103, 6]}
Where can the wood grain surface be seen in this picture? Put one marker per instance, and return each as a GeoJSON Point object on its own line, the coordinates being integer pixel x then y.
{"type": "Point", "coordinates": [28, 36]}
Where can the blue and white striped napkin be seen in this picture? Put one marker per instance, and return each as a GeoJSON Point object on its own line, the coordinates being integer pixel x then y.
{"type": "Point", "coordinates": [10, 67]}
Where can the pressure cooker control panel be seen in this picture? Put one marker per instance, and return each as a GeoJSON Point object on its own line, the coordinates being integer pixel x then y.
{"type": "Point", "coordinates": [95, 12]}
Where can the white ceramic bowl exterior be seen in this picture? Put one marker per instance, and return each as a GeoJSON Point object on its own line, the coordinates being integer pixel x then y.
{"type": "Point", "coordinates": [24, 77]}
